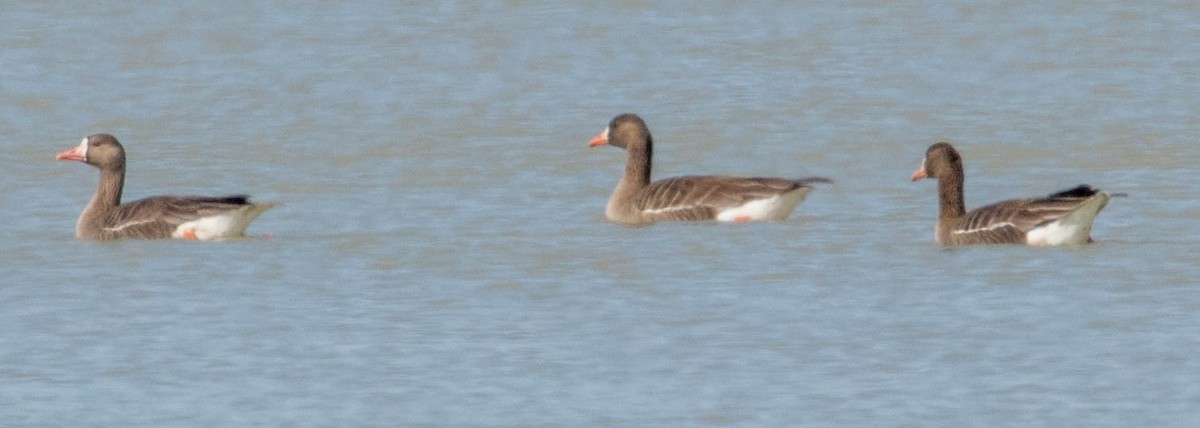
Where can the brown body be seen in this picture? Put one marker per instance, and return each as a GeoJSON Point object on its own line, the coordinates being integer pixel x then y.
{"type": "Point", "coordinates": [188, 217]}
{"type": "Point", "coordinates": [1061, 218]}
{"type": "Point", "coordinates": [637, 200]}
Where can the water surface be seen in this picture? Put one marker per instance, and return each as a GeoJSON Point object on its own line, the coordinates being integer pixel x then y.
{"type": "Point", "coordinates": [440, 255]}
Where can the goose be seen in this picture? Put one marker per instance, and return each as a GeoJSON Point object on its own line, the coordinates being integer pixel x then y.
{"type": "Point", "coordinates": [637, 200]}
{"type": "Point", "coordinates": [1063, 218]}
{"type": "Point", "coordinates": [159, 217]}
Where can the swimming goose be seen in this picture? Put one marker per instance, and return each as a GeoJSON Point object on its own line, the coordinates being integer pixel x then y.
{"type": "Point", "coordinates": [183, 217]}
{"type": "Point", "coordinates": [638, 201]}
{"type": "Point", "coordinates": [1063, 218]}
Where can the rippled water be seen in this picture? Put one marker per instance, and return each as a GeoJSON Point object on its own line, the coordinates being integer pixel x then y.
{"type": "Point", "coordinates": [440, 255]}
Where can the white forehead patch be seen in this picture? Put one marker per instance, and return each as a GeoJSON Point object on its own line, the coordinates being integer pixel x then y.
{"type": "Point", "coordinates": [83, 148]}
{"type": "Point", "coordinates": [605, 135]}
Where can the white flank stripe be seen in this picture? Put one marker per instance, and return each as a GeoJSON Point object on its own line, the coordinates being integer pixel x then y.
{"type": "Point", "coordinates": [1041, 209]}
{"type": "Point", "coordinates": [983, 229]}
{"type": "Point", "coordinates": [123, 226]}
{"type": "Point", "coordinates": [670, 209]}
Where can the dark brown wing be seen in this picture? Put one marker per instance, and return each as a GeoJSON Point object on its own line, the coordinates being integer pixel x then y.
{"type": "Point", "coordinates": [1009, 221]}
{"type": "Point", "coordinates": [702, 197]}
{"type": "Point", "coordinates": [158, 217]}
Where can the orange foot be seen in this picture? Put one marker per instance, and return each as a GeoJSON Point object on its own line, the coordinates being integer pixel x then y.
{"type": "Point", "coordinates": [190, 234]}
{"type": "Point", "coordinates": [742, 218]}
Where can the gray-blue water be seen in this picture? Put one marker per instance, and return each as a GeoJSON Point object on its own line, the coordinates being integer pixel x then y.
{"type": "Point", "coordinates": [440, 255]}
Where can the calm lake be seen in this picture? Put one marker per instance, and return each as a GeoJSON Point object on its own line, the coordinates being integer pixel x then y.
{"type": "Point", "coordinates": [440, 256]}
